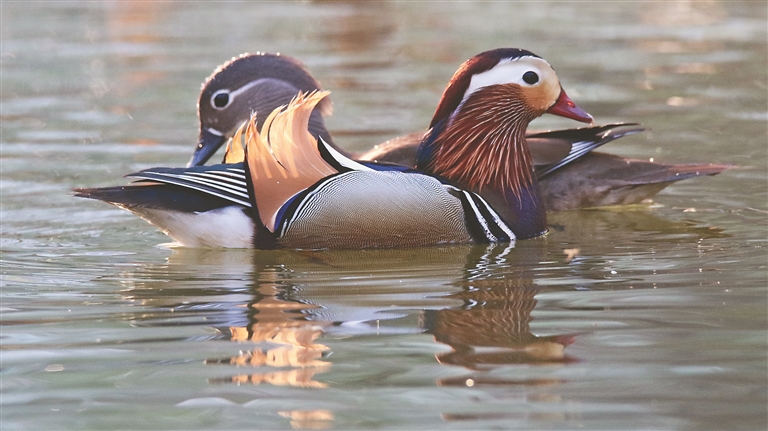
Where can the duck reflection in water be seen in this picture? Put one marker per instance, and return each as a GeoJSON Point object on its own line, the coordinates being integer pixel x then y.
{"type": "Point", "coordinates": [485, 322]}
{"type": "Point", "coordinates": [491, 327]}
{"type": "Point", "coordinates": [283, 309]}
{"type": "Point", "coordinates": [287, 342]}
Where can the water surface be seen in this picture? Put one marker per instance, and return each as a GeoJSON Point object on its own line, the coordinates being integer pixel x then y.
{"type": "Point", "coordinates": [651, 317]}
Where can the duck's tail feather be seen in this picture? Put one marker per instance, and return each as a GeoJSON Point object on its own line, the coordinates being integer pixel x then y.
{"type": "Point", "coordinates": [155, 195]}
{"type": "Point", "coordinates": [647, 172]}
{"type": "Point", "coordinates": [600, 179]}
{"type": "Point", "coordinates": [284, 160]}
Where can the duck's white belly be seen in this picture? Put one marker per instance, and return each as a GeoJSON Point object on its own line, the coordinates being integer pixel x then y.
{"type": "Point", "coordinates": [224, 227]}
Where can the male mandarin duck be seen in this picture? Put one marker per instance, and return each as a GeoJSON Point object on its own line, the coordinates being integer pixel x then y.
{"type": "Point", "coordinates": [570, 174]}
{"type": "Point", "coordinates": [475, 180]}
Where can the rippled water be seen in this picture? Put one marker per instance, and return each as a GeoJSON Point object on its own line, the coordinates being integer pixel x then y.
{"type": "Point", "coordinates": [652, 317]}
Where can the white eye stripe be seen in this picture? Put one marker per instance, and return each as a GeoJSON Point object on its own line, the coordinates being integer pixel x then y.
{"type": "Point", "coordinates": [248, 86]}
{"type": "Point", "coordinates": [239, 91]}
{"type": "Point", "coordinates": [508, 71]}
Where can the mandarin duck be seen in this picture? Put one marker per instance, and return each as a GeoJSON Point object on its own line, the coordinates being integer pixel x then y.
{"type": "Point", "coordinates": [474, 180]}
{"type": "Point", "coordinates": [251, 83]}
{"type": "Point", "coordinates": [571, 175]}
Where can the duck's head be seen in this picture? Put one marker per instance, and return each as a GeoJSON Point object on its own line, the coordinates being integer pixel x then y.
{"type": "Point", "coordinates": [477, 135]}
{"type": "Point", "coordinates": [251, 83]}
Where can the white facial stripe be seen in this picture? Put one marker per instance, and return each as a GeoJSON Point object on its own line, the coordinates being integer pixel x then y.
{"type": "Point", "coordinates": [248, 86]}
{"type": "Point", "coordinates": [213, 131]}
{"type": "Point", "coordinates": [239, 91]}
{"type": "Point", "coordinates": [509, 71]}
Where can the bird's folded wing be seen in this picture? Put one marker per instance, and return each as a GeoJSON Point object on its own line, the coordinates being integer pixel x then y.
{"type": "Point", "coordinates": [225, 181]}
{"type": "Point", "coordinates": [582, 141]}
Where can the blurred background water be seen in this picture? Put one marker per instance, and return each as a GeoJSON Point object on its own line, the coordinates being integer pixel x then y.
{"type": "Point", "coordinates": [652, 317]}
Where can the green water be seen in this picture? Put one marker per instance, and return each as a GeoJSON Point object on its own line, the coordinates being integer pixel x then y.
{"type": "Point", "coordinates": [657, 320]}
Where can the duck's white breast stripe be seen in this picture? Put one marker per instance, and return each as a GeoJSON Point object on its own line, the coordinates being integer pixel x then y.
{"type": "Point", "coordinates": [480, 219]}
{"type": "Point", "coordinates": [496, 219]}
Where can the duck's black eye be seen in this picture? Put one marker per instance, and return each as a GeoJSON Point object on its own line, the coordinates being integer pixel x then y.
{"type": "Point", "coordinates": [220, 100]}
{"type": "Point", "coordinates": [530, 77]}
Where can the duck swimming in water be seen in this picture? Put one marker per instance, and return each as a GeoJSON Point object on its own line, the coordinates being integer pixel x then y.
{"type": "Point", "coordinates": [571, 175]}
{"type": "Point", "coordinates": [474, 182]}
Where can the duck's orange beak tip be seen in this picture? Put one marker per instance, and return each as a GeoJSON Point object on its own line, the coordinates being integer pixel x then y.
{"type": "Point", "coordinates": [565, 107]}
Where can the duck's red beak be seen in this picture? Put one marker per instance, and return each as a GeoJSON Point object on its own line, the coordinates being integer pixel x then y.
{"type": "Point", "coordinates": [565, 107]}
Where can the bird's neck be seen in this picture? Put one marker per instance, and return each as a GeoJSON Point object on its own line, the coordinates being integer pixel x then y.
{"type": "Point", "coordinates": [483, 143]}
{"type": "Point", "coordinates": [482, 148]}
